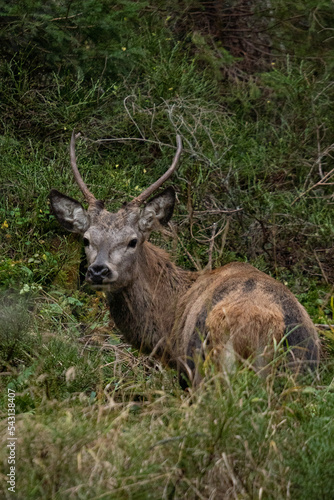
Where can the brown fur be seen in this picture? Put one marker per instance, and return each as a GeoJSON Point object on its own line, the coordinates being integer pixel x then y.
{"type": "Point", "coordinates": [232, 313]}
{"type": "Point", "coordinates": [162, 312]}
{"type": "Point", "coordinates": [145, 310]}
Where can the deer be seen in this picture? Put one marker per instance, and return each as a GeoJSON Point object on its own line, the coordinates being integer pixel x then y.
{"type": "Point", "coordinates": [230, 314]}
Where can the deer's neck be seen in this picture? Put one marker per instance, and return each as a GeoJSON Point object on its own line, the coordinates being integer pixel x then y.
{"type": "Point", "coordinates": [145, 310]}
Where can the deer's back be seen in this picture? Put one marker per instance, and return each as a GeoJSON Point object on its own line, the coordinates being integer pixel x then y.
{"type": "Point", "coordinates": [238, 311]}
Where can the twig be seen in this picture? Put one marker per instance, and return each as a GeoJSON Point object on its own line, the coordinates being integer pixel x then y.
{"type": "Point", "coordinates": [236, 482]}
{"type": "Point", "coordinates": [212, 242]}
{"type": "Point", "coordinates": [141, 139]}
{"type": "Point", "coordinates": [324, 327]}
{"type": "Point", "coordinates": [217, 211]}
{"type": "Point", "coordinates": [123, 139]}
{"type": "Point", "coordinates": [321, 268]}
{"type": "Point", "coordinates": [130, 116]}
{"type": "Point", "coordinates": [326, 177]}
{"type": "Point", "coordinates": [198, 268]}
{"type": "Point", "coordinates": [319, 149]}
{"type": "Point", "coordinates": [66, 17]}
{"type": "Point", "coordinates": [224, 236]}
{"type": "Point", "coordinates": [205, 241]}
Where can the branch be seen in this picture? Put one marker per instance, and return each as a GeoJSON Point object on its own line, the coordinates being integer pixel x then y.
{"type": "Point", "coordinates": [212, 242]}
{"type": "Point", "coordinates": [326, 177]}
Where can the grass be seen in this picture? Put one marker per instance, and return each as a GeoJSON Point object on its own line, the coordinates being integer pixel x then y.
{"type": "Point", "coordinates": [94, 418]}
{"type": "Point", "coordinates": [99, 422]}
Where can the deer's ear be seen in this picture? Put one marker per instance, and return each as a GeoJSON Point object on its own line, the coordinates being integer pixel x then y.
{"type": "Point", "coordinates": [69, 212]}
{"type": "Point", "coordinates": [159, 208]}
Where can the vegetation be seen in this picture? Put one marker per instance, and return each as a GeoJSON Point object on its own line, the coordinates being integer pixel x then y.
{"type": "Point", "coordinates": [248, 85]}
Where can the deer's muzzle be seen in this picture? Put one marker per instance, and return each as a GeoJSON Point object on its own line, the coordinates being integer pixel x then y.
{"type": "Point", "coordinates": [99, 274]}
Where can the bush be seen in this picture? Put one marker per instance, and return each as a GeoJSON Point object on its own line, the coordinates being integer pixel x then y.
{"type": "Point", "coordinates": [15, 336]}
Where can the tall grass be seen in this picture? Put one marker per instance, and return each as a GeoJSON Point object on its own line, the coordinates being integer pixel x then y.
{"type": "Point", "coordinates": [94, 418]}
{"type": "Point", "coordinates": [98, 422]}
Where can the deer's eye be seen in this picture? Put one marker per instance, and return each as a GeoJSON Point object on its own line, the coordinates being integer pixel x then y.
{"type": "Point", "coordinates": [86, 242]}
{"type": "Point", "coordinates": [132, 243]}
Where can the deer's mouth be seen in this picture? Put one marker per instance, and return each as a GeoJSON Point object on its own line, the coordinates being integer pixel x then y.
{"type": "Point", "coordinates": [100, 283]}
{"type": "Point", "coordinates": [105, 287]}
{"type": "Point", "coordinates": [101, 276]}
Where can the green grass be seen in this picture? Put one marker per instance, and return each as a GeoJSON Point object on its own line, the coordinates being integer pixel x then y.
{"type": "Point", "coordinates": [95, 419]}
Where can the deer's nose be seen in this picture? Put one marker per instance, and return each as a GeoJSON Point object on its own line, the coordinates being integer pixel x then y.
{"type": "Point", "coordinates": [97, 273]}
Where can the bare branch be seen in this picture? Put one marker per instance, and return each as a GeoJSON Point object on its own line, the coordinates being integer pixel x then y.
{"type": "Point", "coordinates": [212, 242]}
{"type": "Point", "coordinates": [147, 192]}
{"type": "Point", "coordinates": [325, 178]}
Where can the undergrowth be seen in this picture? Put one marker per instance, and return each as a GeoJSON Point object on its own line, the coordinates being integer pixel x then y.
{"type": "Point", "coordinates": [250, 92]}
{"type": "Point", "coordinates": [95, 421]}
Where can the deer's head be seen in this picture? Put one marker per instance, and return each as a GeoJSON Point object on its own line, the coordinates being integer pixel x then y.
{"type": "Point", "coordinates": [113, 240]}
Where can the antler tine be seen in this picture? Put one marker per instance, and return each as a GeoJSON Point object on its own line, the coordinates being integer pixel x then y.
{"type": "Point", "coordinates": [90, 198]}
{"type": "Point", "coordinates": [147, 192]}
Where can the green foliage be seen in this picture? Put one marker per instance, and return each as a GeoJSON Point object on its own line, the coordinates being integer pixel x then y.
{"type": "Point", "coordinates": [15, 340]}
{"type": "Point", "coordinates": [252, 98]}
{"type": "Point", "coordinates": [233, 435]}
{"type": "Point", "coordinates": [87, 38]}
{"type": "Point", "coordinates": [302, 28]}
{"type": "Point", "coordinates": [51, 365]}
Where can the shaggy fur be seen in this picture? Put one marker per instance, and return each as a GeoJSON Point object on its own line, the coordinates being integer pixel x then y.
{"type": "Point", "coordinates": [232, 313]}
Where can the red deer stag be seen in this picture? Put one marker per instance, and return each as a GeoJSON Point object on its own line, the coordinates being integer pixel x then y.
{"type": "Point", "coordinates": [236, 311]}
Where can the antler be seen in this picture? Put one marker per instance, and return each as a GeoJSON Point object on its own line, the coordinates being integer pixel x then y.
{"type": "Point", "coordinates": [147, 192]}
{"type": "Point", "coordinates": [90, 198]}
